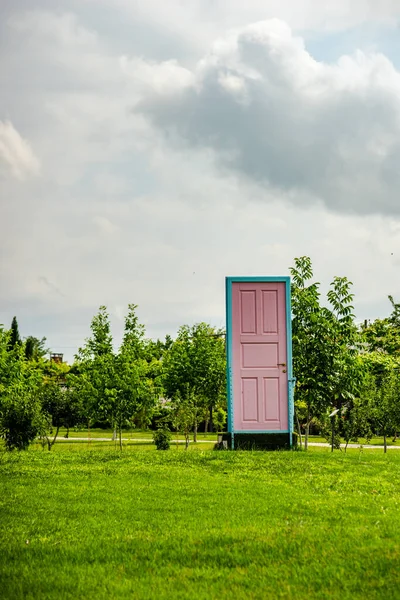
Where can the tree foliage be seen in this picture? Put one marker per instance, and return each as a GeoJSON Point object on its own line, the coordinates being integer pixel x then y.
{"type": "Point", "coordinates": [194, 374]}
{"type": "Point", "coordinates": [341, 369]}
{"type": "Point", "coordinates": [34, 348]}
{"type": "Point", "coordinates": [21, 418]}
{"type": "Point", "coordinates": [14, 337]}
{"type": "Point", "coordinates": [120, 387]}
{"type": "Point", "coordinates": [326, 344]}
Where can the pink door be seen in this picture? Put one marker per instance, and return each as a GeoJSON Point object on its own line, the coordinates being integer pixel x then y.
{"type": "Point", "coordinates": [259, 356]}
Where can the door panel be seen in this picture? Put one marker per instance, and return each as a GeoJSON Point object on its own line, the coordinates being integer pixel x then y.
{"type": "Point", "coordinates": [248, 312]}
{"type": "Point", "coordinates": [250, 399]}
{"type": "Point", "coordinates": [270, 311]}
{"type": "Point", "coordinates": [259, 355]}
{"type": "Point", "coordinates": [271, 399]}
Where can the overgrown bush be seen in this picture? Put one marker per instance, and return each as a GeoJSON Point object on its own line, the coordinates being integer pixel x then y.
{"type": "Point", "coordinates": [20, 419]}
{"type": "Point", "coordinates": [162, 438]}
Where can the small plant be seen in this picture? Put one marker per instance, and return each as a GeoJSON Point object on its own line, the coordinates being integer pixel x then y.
{"type": "Point", "coordinates": [20, 419]}
{"type": "Point", "coordinates": [162, 438]}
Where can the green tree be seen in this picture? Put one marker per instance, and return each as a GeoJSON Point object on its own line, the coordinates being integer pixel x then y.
{"type": "Point", "coordinates": [35, 349]}
{"type": "Point", "coordinates": [157, 348]}
{"type": "Point", "coordinates": [194, 372]}
{"type": "Point", "coordinates": [119, 388]}
{"type": "Point", "coordinates": [184, 413]}
{"type": "Point", "coordinates": [356, 422]}
{"type": "Point", "coordinates": [219, 418]}
{"type": "Point", "coordinates": [81, 386]}
{"type": "Point", "coordinates": [345, 369]}
{"type": "Point", "coordinates": [93, 372]}
{"type": "Point", "coordinates": [138, 384]}
{"type": "Point", "coordinates": [100, 343]}
{"type": "Point", "coordinates": [383, 394]}
{"type": "Point", "coordinates": [311, 353]}
{"type": "Point", "coordinates": [326, 345]}
{"type": "Point", "coordinates": [383, 335]}
{"type": "Point", "coordinates": [54, 406]}
{"type": "Point", "coordinates": [133, 342]}
{"type": "Point", "coordinates": [61, 405]}
{"type": "Point", "coordinates": [14, 338]}
{"type": "Point", "coordinates": [21, 419]}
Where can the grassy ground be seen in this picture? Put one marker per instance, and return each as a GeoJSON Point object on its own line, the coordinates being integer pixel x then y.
{"type": "Point", "coordinates": [138, 434]}
{"type": "Point", "coordinates": [374, 441]}
{"type": "Point", "coordinates": [128, 446]}
{"type": "Point", "coordinates": [95, 523]}
{"type": "Point", "coordinates": [128, 434]}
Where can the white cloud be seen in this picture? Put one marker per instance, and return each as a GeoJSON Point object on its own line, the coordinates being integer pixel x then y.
{"type": "Point", "coordinates": [63, 27]}
{"type": "Point", "coordinates": [198, 22]}
{"type": "Point", "coordinates": [328, 133]}
{"type": "Point", "coordinates": [161, 78]}
{"type": "Point", "coordinates": [105, 226]}
{"type": "Point", "coordinates": [124, 213]}
{"type": "Point", "coordinates": [16, 155]}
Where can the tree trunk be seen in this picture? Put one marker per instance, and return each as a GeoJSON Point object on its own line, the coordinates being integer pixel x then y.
{"type": "Point", "coordinates": [299, 430]}
{"type": "Point", "coordinates": [384, 441]}
{"type": "Point", "coordinates": [394, 437]}
{"type": "Point", "coordinates": [195, 430]}
{"type": "Point", "coordinates": [50, 443]}
{"type": "Point", "coordinates": [120, 439]}
{"type": "Point", "coordinates": [211, 420]}
{"type": "Point", "coordinates": [186, 440]}
{"type": "Point", "coordinates": [67, 434]}
{"type": "Point", "coordinates": [206, 426]}
{"type": "Point", "coordinates": [307, 429]}
{"type": "Point", "coordinates": [55, 436]}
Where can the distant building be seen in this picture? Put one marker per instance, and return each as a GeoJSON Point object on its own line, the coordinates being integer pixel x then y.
{"type": "Point", "coordinates": [56, 357]}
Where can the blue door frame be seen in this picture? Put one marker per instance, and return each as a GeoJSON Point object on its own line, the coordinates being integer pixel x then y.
{"type": "Point", "coordinates": [229, 378]}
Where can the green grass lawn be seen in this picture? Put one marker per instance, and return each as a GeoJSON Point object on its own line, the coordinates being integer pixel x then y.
{"type": "Point", "coordinates": [81, 522]}
{"type": "Point", "coordinates": [129, 434]}
{"type": "Point", "coordinates": [375, 441]}
{"type": "Point", "coordinates": [128, 446]}
{"type": "Point", "coordinates": [138, 434]}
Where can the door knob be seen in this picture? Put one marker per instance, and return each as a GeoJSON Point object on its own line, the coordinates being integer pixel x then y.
{"type": "Point", "coordinates": [281, 364]}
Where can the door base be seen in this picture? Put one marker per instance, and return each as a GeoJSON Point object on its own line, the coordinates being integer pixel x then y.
{"type": "Point", "coordinates": [257, 441]}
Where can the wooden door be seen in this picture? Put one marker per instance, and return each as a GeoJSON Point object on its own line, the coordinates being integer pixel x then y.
{"type": "Point", "coordinates": [259, 356]}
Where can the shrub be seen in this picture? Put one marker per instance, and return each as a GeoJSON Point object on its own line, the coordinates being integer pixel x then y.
{"type": "Point", "coordinates": [20, 419]}
{"type": "Point", "coordinates": [162, 438]}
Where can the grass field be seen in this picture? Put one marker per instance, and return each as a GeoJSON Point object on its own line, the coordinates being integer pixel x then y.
{"type": "Point", "coordinates": [95, 523]}
{"type": "Point", "coordinates": [374, 441]}
{"type": "Point", "coordinates": [135, 434]}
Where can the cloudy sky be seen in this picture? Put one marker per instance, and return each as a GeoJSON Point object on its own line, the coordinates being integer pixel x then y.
{"type": "Point", "coordinates": [149, 149]}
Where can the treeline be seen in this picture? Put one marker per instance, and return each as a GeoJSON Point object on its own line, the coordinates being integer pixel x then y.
{"type": "Point", "coordinates": [171, 383]}
{"type": "Point", "coordinates": [347, 375]}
